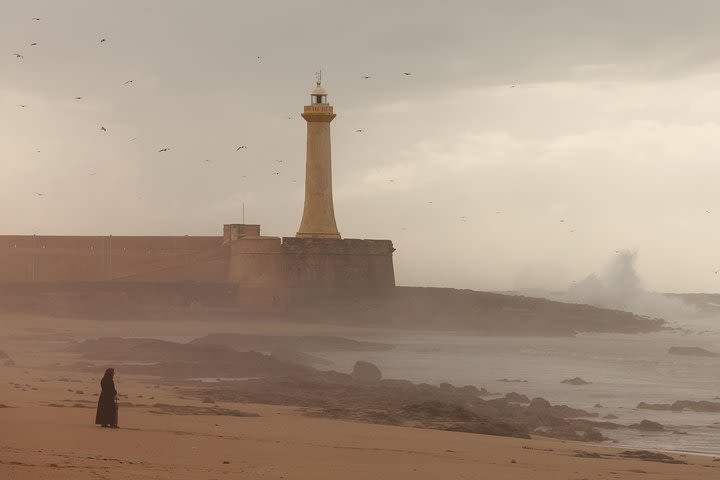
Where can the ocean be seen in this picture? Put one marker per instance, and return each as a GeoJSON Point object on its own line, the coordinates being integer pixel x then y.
{"type": "Point", "coordinates": [624, 370]}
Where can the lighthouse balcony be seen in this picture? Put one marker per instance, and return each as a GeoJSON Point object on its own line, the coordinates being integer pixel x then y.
{"type": "Point", "coordinates": [318, 109]}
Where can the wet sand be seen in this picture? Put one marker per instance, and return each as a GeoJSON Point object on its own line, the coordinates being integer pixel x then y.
{"type": "Point", "coordinates": [39, 441]}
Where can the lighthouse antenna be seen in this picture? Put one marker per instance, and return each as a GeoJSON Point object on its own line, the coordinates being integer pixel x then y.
{"type": "Point", "coordinates": [318, 76]}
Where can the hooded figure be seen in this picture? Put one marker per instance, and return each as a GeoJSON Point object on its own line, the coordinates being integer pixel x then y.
{"type": "Point", "coordinates": [107, 409]}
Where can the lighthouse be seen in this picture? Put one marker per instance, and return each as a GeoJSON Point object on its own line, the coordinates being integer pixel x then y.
{"type": "Point", "coordinates": [318, 220]}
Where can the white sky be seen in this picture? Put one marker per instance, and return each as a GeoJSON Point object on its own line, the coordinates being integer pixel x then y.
{"type": "Point", "coordinates": [605, 115]}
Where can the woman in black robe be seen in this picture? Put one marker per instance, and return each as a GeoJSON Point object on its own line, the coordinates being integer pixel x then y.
{"type": "Point", "coordinates": [107, 409]}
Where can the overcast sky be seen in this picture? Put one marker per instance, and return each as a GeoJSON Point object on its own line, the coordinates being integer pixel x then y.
{"type": "Point", "coordinates": [546, 134]}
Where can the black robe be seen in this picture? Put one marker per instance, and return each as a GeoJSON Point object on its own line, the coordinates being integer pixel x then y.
{"type": "Point", "coordinates": [107, 410]}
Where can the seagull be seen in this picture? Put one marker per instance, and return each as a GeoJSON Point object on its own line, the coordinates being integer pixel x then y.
{"type": "Point", "coordinates": [37, 19]}
{"type": "Point", "coordinates": [276, 173]}
{"type": "Point", "coordinates": [93, 173]}
{"type": "Point", "coordinates": [22, 106]}
{"type": "Point", "coordinates": [258, 58]}
{"type": "Point", "coordinates": [132, 139]}
{"type": "Point", "coordinates": [407, 73]}
{"type": "Point", "coordinates": [33, 44]}
{"type": "Point", "coordinates": [102, 40]}
{"type": "Point", "coordinates": [17, 55]}
{"type": "Point", "coordinates": [512, 86]}
{"type": "Point", "coordinates": [163, 150]}
{"type": "Point", "coordinates": [39, 194]}
{"type": "Point", "coordinates": [103, 129]}
{"type": "Point", "coordinates": [366, 77]}
{"type": "Point", "coordinates": [128, 82]}
{"type": "Point", "coordinates": [717, 271]}
{"type": "Point", "coordinates": [241, 146]}
{"type": "Point", "coordinates": [359, 131]}
{"type": "Point", "coordinates": [78, 98]}
{"type": "Point", "coordinates": [562, 221]}
{"type": "Point", "coordinates": [207, 161]}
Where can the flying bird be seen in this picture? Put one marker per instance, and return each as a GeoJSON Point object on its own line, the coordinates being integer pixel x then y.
{"type": "Point", "coordinates": [258, 58]}
{"type": "Point", "coordinates": [366, 77]}
{"type": "Point", "coordinates": [78, 98]}
{"type": "Point", "coordinates": [37, 19]}
{"type": "Point", "coordinates": [163, 150]}
{"type": "Point", "coordinates": [39, 194]}
{"type": "Point", "coordinates": [359, 131]}
{"type": "Point", "coordinates": [132, 139]}
{"type": "Point", "coordinates": [33, 44]}
{"type": "Point", "coordinates": [241, 146]}
{"type": "Point", "coordinates": [17, 55]}
{"type": "Point", "coordinates": [22, 106]}
{"type": "Point", "coordinates": [102, 40]}
{"type": "Point", "coordinates": [276, 173]}
{"type": "Point", "coordinates": [407, 73]}
{"type": "Point", "coordinates": [103, 129]}
{"type": "Point", "coordinates": [128, 82]}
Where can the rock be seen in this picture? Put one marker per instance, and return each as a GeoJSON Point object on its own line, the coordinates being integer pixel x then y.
{"type": "Point", "coordinates": [79, 392]}
{"type": "Point", "coordinates": [9, 363]}
{"type": "Point", "coordinates": [611, 417]}
{"type": "Point", "coordinates": [680, 405]}
{"type": "Point", "coordinates": [513, 461]}
{"type": "Point", "coordinates": [446, 386]}
{"type": "Point", "coordinates": [654, 406]}
{"type": "Point", "coordinates": [575, 381]}
{"type": "Point", "coordinates": [585, 454]}
{"type": "Point", "coordinates": [366, 372]}
{"type": "Point", "coordinates": [648, 426]}
{"type": "Point", "coordinates": [506, 380]}
{"type": "Point", "coordinates": [650, 456]}
{"type": "Point", "coordinates": [3, 355]}
{"type": "Point", "coordinates": [597, 405]}
{"type": "Point", "coordinates": [517, 397]}
{"type": "Point", "coordinates": [539, 404]}
{"type": "Point", "coordinates": [593, 435]}
{"type": "Point", "coordinates": [692, 351]}
{"type": "Point", "coordinates": [701, 406]}
{"type": "Point", "coordinates": [226, 462]}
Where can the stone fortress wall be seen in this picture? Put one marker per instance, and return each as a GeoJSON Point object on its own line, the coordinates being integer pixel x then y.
{"type": "Point", "coordinates": [264, 273]}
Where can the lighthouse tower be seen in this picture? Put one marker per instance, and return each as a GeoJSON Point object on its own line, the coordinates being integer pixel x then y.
{"type": "Point", "coordinates": [318, 220]}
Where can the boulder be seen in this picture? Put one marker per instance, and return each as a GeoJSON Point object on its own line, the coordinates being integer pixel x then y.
{"type": "Point", "coordinates": [366, 372]}
{"type": "Point", "coordinates": [3, 355]}
{"type": "Point", "coordinates": [648, 426]}
{"type": "Point", "coordinates": [539, 404]}
{"type": "Point", "coordinates": [517, 397]}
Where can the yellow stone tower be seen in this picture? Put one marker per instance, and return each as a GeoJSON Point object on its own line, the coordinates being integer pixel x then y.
{"type": "Point", "coordinates": [318, 220]}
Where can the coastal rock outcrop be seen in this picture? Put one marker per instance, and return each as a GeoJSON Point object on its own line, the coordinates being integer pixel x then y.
{"type": "Point", "coordinates": [517, 397]}
{"type": "Point", "coordinates": [366, 372]}
{"type": "Point", "coordinates": [648, 426]}
{"type": "Point", "coordinates": [680, 405]}
{"type": "Point", "coordinates": [692, 351]}
{"type": "Point", "coordinates": [575, 381]}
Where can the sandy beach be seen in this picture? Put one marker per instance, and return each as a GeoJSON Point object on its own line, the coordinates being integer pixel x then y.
{"type": "Point", "coordinates": [48, 432]}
